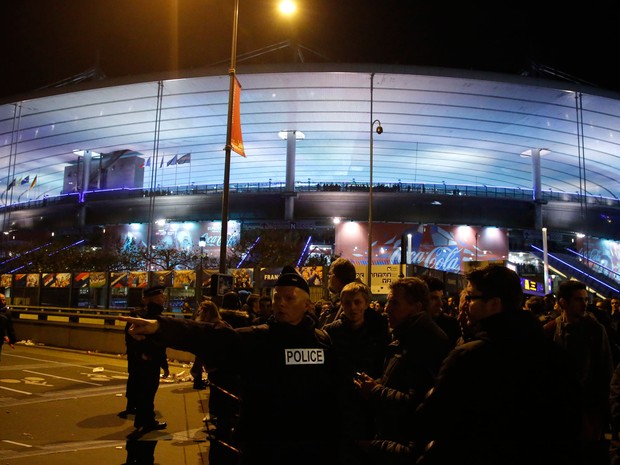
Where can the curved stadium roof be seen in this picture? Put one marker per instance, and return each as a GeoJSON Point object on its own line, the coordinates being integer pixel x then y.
{"type": "Point", "coordinates": [439, 126]}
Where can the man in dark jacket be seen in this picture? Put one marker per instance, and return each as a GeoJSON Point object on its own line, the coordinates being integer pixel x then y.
{"type": "Point", "coordinates": [448, 324]}
{"type": "Point", "coordinates": [412, 364]}
{"type": "Point", "coordinates": [7, 331]}
{"type": "Point", "coordinates": [360, 339]}
{"type": "Point", "coordinates": [287, 371]}
{"type": "Point", "coordinates": [145, 359]}
{"type": "Point", "coordinates": [508, 396]}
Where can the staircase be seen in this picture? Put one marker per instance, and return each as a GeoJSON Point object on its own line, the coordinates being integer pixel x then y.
{"type": "Point", "coordinates": [574, 267]}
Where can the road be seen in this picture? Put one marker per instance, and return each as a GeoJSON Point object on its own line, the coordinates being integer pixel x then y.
{"type": "Point", "coordinates": [59, 407]}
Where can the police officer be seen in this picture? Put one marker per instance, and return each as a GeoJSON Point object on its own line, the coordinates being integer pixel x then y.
{"type": "Point", "coordinates": [145, 358]}
{"type": "Point", "coordinates": [7, 331]}
{"type": "Point", "coordinates": [287, 376]}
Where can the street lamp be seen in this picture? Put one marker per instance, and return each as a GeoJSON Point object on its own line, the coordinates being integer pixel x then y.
{"type": "Point", "coordinates": [228, 148]}
{"type": "Point", "coordinates": [201, 243]}
{"type": "Point", "coordinates": [379, 130]}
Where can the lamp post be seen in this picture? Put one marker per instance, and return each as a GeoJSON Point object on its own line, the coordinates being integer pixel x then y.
{"type": "Point", "coordinates": [228, 147]}
{"type": "Point", "coordinates": [379, 131]}
{"type": "Point", "coordinates": [287, 7]}
{"type": "Point", "coordinates": [201, 243]}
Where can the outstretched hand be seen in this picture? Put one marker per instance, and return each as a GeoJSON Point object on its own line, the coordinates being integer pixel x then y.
{"type": "Point", "coordinates": [140, 326]}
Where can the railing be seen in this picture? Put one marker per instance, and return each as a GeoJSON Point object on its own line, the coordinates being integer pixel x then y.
{"type": "Point", "coordinates": [95, 330]}
{"type": "Point", "coordinates": [90, 316]}
{"type": "Point", "coordinates": [400, 187]}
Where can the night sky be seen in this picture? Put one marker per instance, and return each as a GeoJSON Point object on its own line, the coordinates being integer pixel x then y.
{"type": "Point", "coordinates": [44, 41]}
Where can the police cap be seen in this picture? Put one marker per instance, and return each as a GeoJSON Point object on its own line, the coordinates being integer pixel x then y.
{"type": "Point", "coordinates": [153, 290]}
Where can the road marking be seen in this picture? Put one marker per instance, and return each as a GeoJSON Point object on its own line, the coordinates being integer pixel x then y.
{"type": "Point", "coordinates": [16, 443]}
{"type": "Point", "coordinates": [46, 361]}
{"type": "Point", "coordinates": [62, 377]}
{"type": "Point", "coordinates": [15, 390]}
{"type": "Point", "coordinates": [65, 364]}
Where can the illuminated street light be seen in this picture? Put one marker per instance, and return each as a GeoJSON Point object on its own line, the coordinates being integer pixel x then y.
{"type": "Point", "coordinates": [372, 132]}
{"type": "Point", "coordinates": [379, 131]}
{"type": "Point", "coordinates": [287, 7]}
{"type": "Point", "coordinates": [199, 278]}
{"type": "Point", "coordinates": [228, 148]}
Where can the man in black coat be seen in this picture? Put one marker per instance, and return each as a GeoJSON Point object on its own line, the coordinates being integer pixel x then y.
{"type": "Point", "coordinates": [509, 395]}
{"type": "Point", "coordinates": [448, 324]}
{"type": "Point", "coordinates": [287, 372]}
{"type": "Point", "coordinates": [7, 331]}
{"type": "Point", "coordinates": [145, 359]}
{"type": "Point", "coordinates": [412, 364]}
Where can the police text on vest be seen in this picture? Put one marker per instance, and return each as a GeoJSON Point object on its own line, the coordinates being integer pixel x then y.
{"type": "Point", "coordinates": [304, 356]}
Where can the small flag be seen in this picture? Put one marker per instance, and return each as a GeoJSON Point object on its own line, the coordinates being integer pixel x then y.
{"type": "Point", "coordinates": [173, 161]}
{"type": "Point", "coordinates": [187, 158]}
{"type": "Point", "coordinates": [236, 139]}
{"type": "Point", "coordinates": [34, 182]}
{"type": "Point", "coordinates": [11, 184]}
{"type": "Point", "coordinates": [26, 180]}
{"type": "Point", "coordinates": [162, 162]}
{"type": "Point", "coordinates": [148, 163]}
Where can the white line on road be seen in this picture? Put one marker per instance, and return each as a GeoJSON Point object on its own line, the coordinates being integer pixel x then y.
{"type": "Point", "coordinates": [15, 390]}
{"type": "Point", "coordinates": [16, 443]}
{"type": "Point", "coordinates": [62, 377]}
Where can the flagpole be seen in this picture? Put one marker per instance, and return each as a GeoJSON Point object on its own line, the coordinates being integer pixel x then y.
{"type": "Point", "coordinates": [176, 169]}
{"type": "Point", "coordinates": [228, 148]}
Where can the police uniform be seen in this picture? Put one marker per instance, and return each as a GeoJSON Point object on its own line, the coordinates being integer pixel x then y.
{"type": "Point", "coordinates": [288, 378]}
{"type": "Point", "coordinates": [145, 359]}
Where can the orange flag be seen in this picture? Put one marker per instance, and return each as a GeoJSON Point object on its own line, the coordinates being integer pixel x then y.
{"type": "Point", "coordinates": [236, 140]}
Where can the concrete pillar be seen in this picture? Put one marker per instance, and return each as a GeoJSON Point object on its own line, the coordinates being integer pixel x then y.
{"type": "Point", "coordinates": [289, 191]}
{"type": "Point", "coordinates": [536, 189]}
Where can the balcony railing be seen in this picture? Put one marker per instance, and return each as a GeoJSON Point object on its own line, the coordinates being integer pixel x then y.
{"type": "Point", "coordinates": [257, 187]}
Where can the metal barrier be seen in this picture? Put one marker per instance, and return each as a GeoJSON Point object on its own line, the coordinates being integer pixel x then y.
{"type": "Point", "coordinates": [94, 330]}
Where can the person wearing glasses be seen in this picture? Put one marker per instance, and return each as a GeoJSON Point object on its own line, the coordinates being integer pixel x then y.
{"type": "Point", "coordinates": [508, 395]}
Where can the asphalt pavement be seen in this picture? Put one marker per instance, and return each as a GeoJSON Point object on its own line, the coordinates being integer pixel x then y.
{"type": "Point", "coordinates": [59, 407]}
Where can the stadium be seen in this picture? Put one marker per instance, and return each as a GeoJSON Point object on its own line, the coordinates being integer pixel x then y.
{"type": "Point", "coordinates": [398, 149]}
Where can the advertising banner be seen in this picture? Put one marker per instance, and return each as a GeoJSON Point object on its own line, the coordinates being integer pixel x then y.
{"type": "Point", "coordinates": [118, 279]}
{"type": "Point", "coordinates": [161, 278]}
{"type": "Point", "coordinates": [138, 279]}
{"type": "Point", "coordinates": [98, 279]}
{"type": "Point", "coordinates": [440, 247]}
{"type": "Point", "coordinates": [33, 280]}
{"type": "Point", "coordinates": [381, 278]}
{"type": "Point", "coordinates": [56, 279]}
{"type": "Point", "coordinates": [180, 235]}
{"type": "Point", "coordinates": [603, 255]}
{"type": "Point", "coordinates": [184, 279]}
{"type": "Point", "coordinates": [6, 281]}
{"type": "Point", "coordinates": [81, 280]}
{"type": "Point", "coordinates": [20, 280]}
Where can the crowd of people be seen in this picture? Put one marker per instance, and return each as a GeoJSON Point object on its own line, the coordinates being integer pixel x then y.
{"type": "Point", "coordinates": [487, 378]}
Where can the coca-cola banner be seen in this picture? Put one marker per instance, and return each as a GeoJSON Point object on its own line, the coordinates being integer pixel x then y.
{"type": "Point", "coordinates": [440, 247]}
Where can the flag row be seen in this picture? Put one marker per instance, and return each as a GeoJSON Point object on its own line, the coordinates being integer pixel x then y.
{"type": "Point", "coordinates": [176, 160]}
{"type": "Point", "coordinates": [22, 182]}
